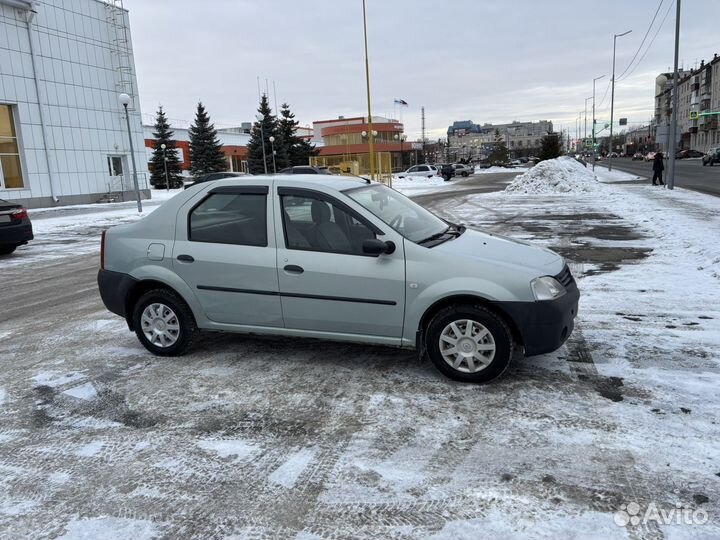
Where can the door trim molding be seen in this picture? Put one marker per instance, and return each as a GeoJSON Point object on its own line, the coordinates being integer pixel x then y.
{"type": "Point", "coordinates": [299, 295]}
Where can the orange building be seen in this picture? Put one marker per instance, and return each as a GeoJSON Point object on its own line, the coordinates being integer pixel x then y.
{"type": "Point", "coordinates": [343, 145]}
{"type": "Point", "coordinates": [234, 146]}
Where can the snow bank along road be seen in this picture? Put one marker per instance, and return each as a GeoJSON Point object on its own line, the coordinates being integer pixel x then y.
{"type": "Point", "coordinates": [277, 438]}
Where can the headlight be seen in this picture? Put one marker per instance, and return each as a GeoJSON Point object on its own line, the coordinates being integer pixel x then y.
{"type": "Point", "coordinates": [546, 288]}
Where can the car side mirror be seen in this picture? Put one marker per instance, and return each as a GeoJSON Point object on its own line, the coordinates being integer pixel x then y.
{"type": "Point", "coordinates": [373, 246]}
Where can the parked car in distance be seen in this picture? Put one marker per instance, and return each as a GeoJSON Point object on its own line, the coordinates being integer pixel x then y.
{"type": "Point", "coordinates": [15, 227]}
{"type": "Point", "coordinates": [687, 153]}
{"type": "Point", "coordinates": [515, 162]}
{"type": "Point", "coordinates": [305, 169]}
{"type": "Point", "coordinates": [420, 170]}
{"type": "Point", "coordinates": [637, 156]}
{"type": "Point", "coordinates": [446, 170]}
{"type": "Point", "coordinates": [523, 159]}
{"type": "Point", "coordinates": [335, 258]}
{"type": "Point", "coordinates": [463, 170]}
{"type": "Point", "coordinates": [209, 177]}
{"type": "Point", "coordinates": [649, 156]}
{"type": "Point", "coordinates": [711, 157]}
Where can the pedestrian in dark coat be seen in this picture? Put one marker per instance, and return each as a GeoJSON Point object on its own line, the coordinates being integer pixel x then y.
{"type": "Point", "coordinates": [658, 168]}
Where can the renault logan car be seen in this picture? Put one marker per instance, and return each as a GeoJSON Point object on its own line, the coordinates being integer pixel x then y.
{"type": "Point", "coordinates": [337, 258]}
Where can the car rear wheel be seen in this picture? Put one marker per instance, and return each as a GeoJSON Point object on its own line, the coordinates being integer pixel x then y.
{"type": "Point", "coordinates": [469, 343]}
{"type": "Point", "coordinates": [7, 250]}
{"type": "Point", "coordinates": [164, 323]}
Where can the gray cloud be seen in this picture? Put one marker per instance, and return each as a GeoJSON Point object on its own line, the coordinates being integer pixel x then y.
{"type": "Point", "coordinates": [485, 60]}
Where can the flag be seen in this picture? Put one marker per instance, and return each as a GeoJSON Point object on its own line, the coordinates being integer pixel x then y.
{"type": "Point", "coordinates": [401, 102]}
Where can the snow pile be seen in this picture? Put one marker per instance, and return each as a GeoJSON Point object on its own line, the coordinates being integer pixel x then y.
{"type": "Point", "coordinates": [496, 169]}
{"type": "Point", "coordinates": [417, 184]}
{"type": "Point", "coordinates": [560, 175]}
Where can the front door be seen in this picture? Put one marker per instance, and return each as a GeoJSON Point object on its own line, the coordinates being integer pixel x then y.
{"type": "Point", "coordinates": [225, 252]}
{"type": "Point", "coordinates": [327, 283]}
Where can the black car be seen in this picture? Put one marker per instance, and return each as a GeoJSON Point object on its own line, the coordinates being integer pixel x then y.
{"type": "Point", "coordinates": [305, 169]}
{"type": "Point", "coordinates": [15, 227]}
{"type": "Point", "coordinates": [447, 170]}
{"type": "Point", "coordinates": [684, 154]}
{"type": "Point", "coordinates": [711, 157]}
{"type": "Point", "coordinates": [213, 176]}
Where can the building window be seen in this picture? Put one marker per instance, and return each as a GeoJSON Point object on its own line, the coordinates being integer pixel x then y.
{"type": "Point", "coordinates": [115, 166]}
{"type": "Point", "coordinates": [10, 170]}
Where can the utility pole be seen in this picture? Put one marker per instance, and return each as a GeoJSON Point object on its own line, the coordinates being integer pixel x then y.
{"type": "Point", "coordinates": [422, 120]}
{"type": "Point", "coordinates": [593, 121]}
{"type": "Point", "coordinates": [612, 97]}
{"type": "Point", "coordinates": [673, 120]}
{"type": "Point", "coordinates": [371, 138]}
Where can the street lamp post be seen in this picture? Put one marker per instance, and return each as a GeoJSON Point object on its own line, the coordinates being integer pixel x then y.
{"type": "Point", "coordinates": [272, 147]}
{"type": "Point", "coordinates": [167, 181]}
{"type": "Point", "coordinates": [585, 135]}
{"type": "Point", "coordinates": [612, 97]}
{"type": "Point", "coordinates": [259, 118]}
{"type": "Point", "coordinates": [124, 100]}
{"type": "Point", "coordinates": [593, 121]}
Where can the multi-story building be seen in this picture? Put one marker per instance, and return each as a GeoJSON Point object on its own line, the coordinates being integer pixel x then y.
{"type": "Point", "coordinates": [698, 107]}
{"type": "Point", "coordinates": [467, 140]}
{"type": "Point", "coordinates": [641, 139]}
{"type": "Point", "coordinates": [63, 134]}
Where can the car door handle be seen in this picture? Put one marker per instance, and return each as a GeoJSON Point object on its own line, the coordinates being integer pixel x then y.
{"type": "Point", "coordinates": [185, 258]}
{"type": "Point", "coordinates": [293, 269]}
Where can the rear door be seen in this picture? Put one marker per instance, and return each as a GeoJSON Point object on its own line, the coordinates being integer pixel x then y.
{"type": "Point", "coordinates": [225, 251]}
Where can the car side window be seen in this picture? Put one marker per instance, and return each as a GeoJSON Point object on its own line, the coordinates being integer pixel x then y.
{"type": "Point", "coordinates": [413, 169]}
{"type": "Point", "coordinates": [230, 218]}
{"type": "Point", "coordinates": [423, 168]}
{"type": "Point", "coordinates": [314, 224]}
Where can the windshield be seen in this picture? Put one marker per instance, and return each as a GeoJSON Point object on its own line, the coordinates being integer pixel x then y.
{"type": "Point", "coordinates": [409, 219]}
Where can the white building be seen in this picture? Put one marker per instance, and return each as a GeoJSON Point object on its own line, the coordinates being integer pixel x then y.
{"type": "Point", "coordinates": [63, 136]}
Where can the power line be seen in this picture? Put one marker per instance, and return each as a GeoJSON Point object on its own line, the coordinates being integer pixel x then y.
{"type": "Point", "coordinates": [652, 40]}
{"type": "Point", "coordinates": [643, 39]}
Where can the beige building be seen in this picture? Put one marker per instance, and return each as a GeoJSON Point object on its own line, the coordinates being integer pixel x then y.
{"type": "Point", "coordinates": [467, 140]}
{"type": "Point", "coordinates": [698, 107]}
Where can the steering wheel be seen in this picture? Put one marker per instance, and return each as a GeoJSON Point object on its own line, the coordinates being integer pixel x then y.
{"type": "Point", "coordinates": [396, 221]}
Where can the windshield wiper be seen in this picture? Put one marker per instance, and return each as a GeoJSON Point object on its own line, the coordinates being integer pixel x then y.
{"type": "Point", "coordinates": [436, 236]}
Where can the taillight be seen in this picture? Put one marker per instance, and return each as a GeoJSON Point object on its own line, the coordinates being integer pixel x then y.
{"type": "Point", "coordinates": [19, 214]}
{"type": "Point", "coordinates": [102, 250]}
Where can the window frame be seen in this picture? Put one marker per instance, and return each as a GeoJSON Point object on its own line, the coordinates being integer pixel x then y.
{"type": "Point", "coordinates": [17, 137]}
{"type": "Point", "coordinates": [322, 196]}
{"type": "Point", "coordinates": [231, 190]}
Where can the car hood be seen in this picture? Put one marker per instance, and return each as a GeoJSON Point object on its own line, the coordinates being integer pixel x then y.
{"type": "Point", "coordinates": [501, 250]}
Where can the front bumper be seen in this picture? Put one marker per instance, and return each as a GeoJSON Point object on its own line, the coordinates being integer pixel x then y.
{"type": "Point", "coordinates": [114, 288]}
{"type": "Point", "coordinates": [545, 325]}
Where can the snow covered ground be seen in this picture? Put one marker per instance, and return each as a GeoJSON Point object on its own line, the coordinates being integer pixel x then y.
{"type": "Point", "coordinates": [415, 185]}
{"type": "Point", "coordinates": [251, 437]}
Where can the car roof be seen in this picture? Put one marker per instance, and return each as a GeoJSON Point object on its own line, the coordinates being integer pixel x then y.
{"type": "Point", "coordinates": [336, 182]}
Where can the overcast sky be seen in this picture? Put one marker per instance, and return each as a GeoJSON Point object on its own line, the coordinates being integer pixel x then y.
{"type": "Point", "coordinates": [481, 60]}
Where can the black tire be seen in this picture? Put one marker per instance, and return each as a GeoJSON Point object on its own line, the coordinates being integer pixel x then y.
{"type": "Point", "coordinates": [465, 174]}
{"type": "Point", "coordinates": [188, 330]}
{"type": "Point", "coordinates": [498, 329]}
{"type": "Point", "coordinates": [7, 250]}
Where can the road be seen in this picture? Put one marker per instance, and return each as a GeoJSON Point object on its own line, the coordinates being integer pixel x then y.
{"type": "Point", "coordinates": [286, 438]}
{"type": "Point", "coordinates": [689, 173]}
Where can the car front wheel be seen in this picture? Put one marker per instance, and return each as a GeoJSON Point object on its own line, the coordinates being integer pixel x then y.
{"type": "Point", "coordinates": [164, 323]}
{"type": "Point", "coordinates": [469, 343]}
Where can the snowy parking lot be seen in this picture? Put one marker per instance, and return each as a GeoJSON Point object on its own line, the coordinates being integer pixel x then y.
{"type": "Point", "coordinates": [250, 437]}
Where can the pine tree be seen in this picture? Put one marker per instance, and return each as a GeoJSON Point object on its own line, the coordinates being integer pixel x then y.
{"type": "Point", "coordinates": [298, 150]}
{"type": "Point", "coordinates": [164, 135]}
{"type": "Point", "coordinates": [261, 137]}
{"type": "Point", "coordinates": [206, 154]}
{"type": "Point", "coordinates": [550, 148]}
{"type": "Point", "coordinates": [500, 153]}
